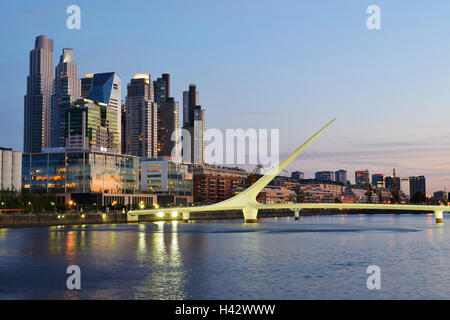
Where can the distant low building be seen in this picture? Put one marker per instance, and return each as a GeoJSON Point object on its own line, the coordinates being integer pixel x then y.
{"type": "Point", "coordinates": [214, 184]}
{"type": "Point", "coordinates": [276, 194]}
{"type": "Point", "coordinates": [297, 175]}
{"type": "Point", "coordinates": [325, 176]}
{"type": "Point", "coordinates": [10, 170]}
{"type": "Point", "coordinates": [348, 196]}
{"type": "Point", "coordinates": [321, 191]}
{"type": "Point", "coordinates": [162, 175]}
{"type": "Point", "coordinates": [439, 196]}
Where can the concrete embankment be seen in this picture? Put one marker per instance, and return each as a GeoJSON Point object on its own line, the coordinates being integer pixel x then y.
{"type": "Point", "coordinates": [10, 220]}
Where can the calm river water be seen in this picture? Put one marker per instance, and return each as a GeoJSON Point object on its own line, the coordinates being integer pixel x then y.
{"type": "Point", "coordinates": [322, 257]}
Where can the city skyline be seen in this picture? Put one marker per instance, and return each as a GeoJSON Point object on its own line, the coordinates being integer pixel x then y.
{"type": "Point", "coordinates": [391, 101]}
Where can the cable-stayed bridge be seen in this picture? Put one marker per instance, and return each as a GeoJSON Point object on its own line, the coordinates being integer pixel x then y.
{"type": "Point", "coordinates": [246, 200]}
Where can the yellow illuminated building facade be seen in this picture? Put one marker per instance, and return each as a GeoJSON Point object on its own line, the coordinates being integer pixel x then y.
{"type": "Point", "coordinates": [80, 172]}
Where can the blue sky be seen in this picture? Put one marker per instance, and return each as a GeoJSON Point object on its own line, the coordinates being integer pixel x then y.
{"type": "Point", "coordinates": [291, 65]}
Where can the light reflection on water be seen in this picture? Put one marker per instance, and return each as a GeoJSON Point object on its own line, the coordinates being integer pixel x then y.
{"type": "Point", "coordinates": [315, 258]}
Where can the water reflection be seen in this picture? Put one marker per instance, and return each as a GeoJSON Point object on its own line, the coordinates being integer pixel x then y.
{"type": "Point", "coordinates": [320, 258]}
{"type": "Point", "coordinates": [165, 276]}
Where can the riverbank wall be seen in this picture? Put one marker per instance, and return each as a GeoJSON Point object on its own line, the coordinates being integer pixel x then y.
{"type": "Point", "coordinates": [12, 220]}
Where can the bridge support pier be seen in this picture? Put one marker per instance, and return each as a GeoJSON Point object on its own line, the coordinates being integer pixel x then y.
{"type": "Point", "coordinates": [186, 216]}
{"type": "Point", "coordinates": [132, 217]}
{"type": "Point", "coordinates": [250, 214]}
{"type": "Point", "coordinates": [296, 213]}
{"type": "Point", "coordinates": [439, 216]}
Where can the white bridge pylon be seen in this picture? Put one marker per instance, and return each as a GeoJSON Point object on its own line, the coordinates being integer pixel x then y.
{"type": "Point", "coordinates": [246, 200]}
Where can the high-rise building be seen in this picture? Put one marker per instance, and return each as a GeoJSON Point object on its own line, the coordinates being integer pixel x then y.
{"type": "Point", "coordinates": [168, 128]}
{"type": "Point", "coordinates": [10, 170]}
{"type": "Point", "coordinates": [190, 100]}
{"type": "Point", "coordinates": [194, 127]}
{"type": "Point", "coordinates": [341, 176]}
{"type": "Point", "coordinates": [141, 118]}
{"type": "Point", "coordinates": [37, 117]}
{"type": "Point", "coordinates": [417, 184]}
{"type": "Point", "coordinates": [123, 129]}
{"type": "Point", "coordinates": [67, 89]}
{"type": "Point", "coordinates": [297, 175]}
{"type": "Point", "coordinates": [389, 183]}
{"type": "Point", "coordinates": [90, 125]}
{"type": "Point", "coordinates": [107, 88]}
{"type": "Point", "coordinates": [440, 196]}
{"type": "Point", "coordinates": [86, 85]}
{"type": "Point", "coordinates": [325, 176]}
{"type": "Point", "coordinates": [162, 88]}
{"type": "Point", "coordinates": [198, 135]}
{"type": "Point", "coordinates": [360, 177]}
{"type": "Point", "coordinates": [378, 180]}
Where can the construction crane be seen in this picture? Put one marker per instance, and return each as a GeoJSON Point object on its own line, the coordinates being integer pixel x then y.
{"type": "Point", "coordinates": [395, 192]}
{"type": "Point", "coordinates": [255, 174]}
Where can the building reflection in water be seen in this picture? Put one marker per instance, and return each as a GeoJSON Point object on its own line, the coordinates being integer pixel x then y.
{"type": "Point", "coordinates": [160, 261]}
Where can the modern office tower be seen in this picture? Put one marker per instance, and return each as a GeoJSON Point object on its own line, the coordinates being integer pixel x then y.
{"type": "Point", "coordinates": [194, 127]}
{"type": "Point", "coordinates": [86, 85]}
{"type": "Point", "coordinates": [67, 89]}
{"type": "Point", "coordinates": [107, 88]}
{"type": "Point", "coordinates": [37, 121]}
{"type": "Point", "coordinates": [389, 183]}
{"type": "Point", "coordinates": [360, 177]}
{"type": "Point", "coordinates": [162, 88]}
{"type": "Point", "coordinates": [341, 176]}
{"type": "Point", "coordinates": [10, 170]}
{"type": "Point", "coordinates": [190, 100]}
{"type": "Point", "coordinates": [90, 125]}
{"type": "Point", "coordinates": [142, 115]}
{"type": "Point", "coordinates": [417, 184]}
{"type": "Point", "coordinates": [198, 143]}
{"type": "Point", "coordinates": [123, 129]}
{"type": "Point", "coordinates": [297, 175]}
{"type": "Point", "coordinates": [378, 180]}
{"type": "Point", "coordinates": [168, 128]}
{"type": "Point", "coordinates": [325, 176]}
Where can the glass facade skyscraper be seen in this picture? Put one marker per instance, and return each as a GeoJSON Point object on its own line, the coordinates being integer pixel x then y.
{"type": "Point", "coordinates": [141, 118]}
{"type": "Point", "coordinates": [37, 117]}
{"type": "Point", "coordinates": [67, 89]}
{"type": "Point", "coordinates": [90, 125]}
{"type": "Point", "coordinates": [107, 88]}
{"type": "Point", "coordinates": [194, 127]}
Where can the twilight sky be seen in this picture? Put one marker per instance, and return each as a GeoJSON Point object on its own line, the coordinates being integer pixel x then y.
{"type": "Point", "coordinates": [291, 65]}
